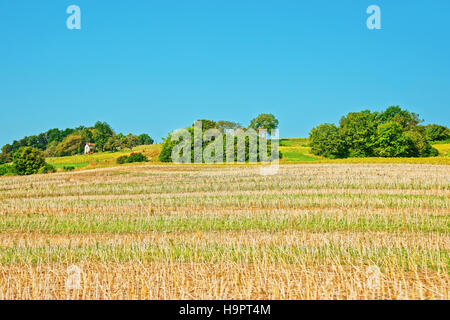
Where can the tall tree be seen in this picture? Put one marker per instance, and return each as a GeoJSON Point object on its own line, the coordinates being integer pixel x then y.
{"type": "Point", "coordinates": [264, 121]}
{"type": "Point", "coordinates": [28, 160]}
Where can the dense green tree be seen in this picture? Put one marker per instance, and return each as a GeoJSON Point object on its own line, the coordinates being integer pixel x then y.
{"type": "Point", "coordinates": [327, 141]}
{"type": "Point", "coordinates": [70, 146]}
{"type": "Point", "coordinates": [392, 141]}
{"type": "Point", "coordinates": [435, 132]}
{"type": "Point", "coordinates": [101, 134]}
{"type": "Point", "coordinates": [114, 143]}
{"type": "Point", "coordinates": [207, 124]}
{"type": "Point", "coordinates": [5, 158]}
{"type": "Point", "coordinates": [421, 147]}
{"type": "Point", "coordinates": [28, 160]}
{"type": "Point", "coordinates": [145, 139]}
{"type": "Point", "coordinates": [240, 140]}
{"type": "Point", "coordinates": [7, 148]}
{"type": "Point", "coordinates": [131, 141]}
{"type": "Point", "coordinates": [86, 135]}
{"type": "Point", "coordinates": [166, 151]}
{"type": "Point", "coordinates": [264, 121]}
{"type": "Point", "coordinates": [392, 133]}
{"type": "Point", "coordinates": [50, 151]}
{"type": "Point", "coordinates": [408, 120]}
{"type": "Point", "coordinates": [7, 169]}
{"type": "Point", "coordinates": [6, 154]}
{"type": "Point", "coordinates": [359, 130]}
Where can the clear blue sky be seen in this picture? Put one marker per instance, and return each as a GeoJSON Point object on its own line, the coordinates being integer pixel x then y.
{"type": "Point", "coordinates": [153, 66]}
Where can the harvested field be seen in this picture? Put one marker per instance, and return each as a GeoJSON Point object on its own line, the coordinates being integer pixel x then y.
{"type": "Point", "coordinates": [312, 231]}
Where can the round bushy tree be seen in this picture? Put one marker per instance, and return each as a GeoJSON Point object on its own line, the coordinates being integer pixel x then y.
{"type": "Point", "coordinates": [435, 132]}
{"type": "Point", "coordinates": [421, 145]}
{"type": "Point", "coordinates": [264, 121]}
{"type": "Point", "coordinates": [326, 140]}
{"type": "Point", "coordinates": [28, 160]}
{"type": "Point", "coordinates": [393, 142]}
{"type": "Point", "coordinates": [358, 130]}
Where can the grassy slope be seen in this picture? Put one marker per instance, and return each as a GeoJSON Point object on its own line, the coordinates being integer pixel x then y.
{"type": "Point", "coordinates": [294, 150]}
{"type": "Point", "coordinates": [103, 159]}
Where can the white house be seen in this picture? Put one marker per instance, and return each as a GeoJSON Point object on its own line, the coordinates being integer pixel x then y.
{"type": "Point", "coordinates": [89, 148]}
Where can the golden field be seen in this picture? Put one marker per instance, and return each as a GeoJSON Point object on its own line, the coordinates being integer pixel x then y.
{"type": "Point", "coordinates": [154, 231]}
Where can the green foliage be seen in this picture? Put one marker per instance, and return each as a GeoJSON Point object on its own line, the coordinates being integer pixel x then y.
{"type": "Point", "coordinates": [435, 132]}
{"type": "Point", "coordinates": [242, 135]}
{"type": "Point", "coordinates": [7, 170]}
{"type": "Point", "coordinates": [102, 133]}
{"type": "Point", "coordinates": [5, 158]}
{"type": "Point", "coordinates": [86, 135]}
{"type": "Point", "coordinates": [144, 139]}
{"type": "Point", "coordinates": [68, 142]}
{"type": "Point", "coordinates": [392, 133]}
{"type": "Point", "coordinates": [70, 146]}
{"type": "Point", "coordinates": [358, 130]}
{"type": "Point", "coordinates": [131, 141]}
{"type": "Point", "coordinates": [421, 147]}
{"type": "Point", "coordinates": [264, 121]}
{"type": "Point", "coordinates": [407, 120]}
{"type": "Point", "coordinates": [68, 168]}
{"type": "Point", "coordinates": [47, 168]}
{"type": "Point", "coordinates": [207, 124]}
{"type": "Point", "coordinates": [28, 160]}
{"type": "Point", "coordinates": [51, 149]}
{"type": "Point", "coordinates": [134, 157]}
{"type": "Point", "coordinates": [327, 141]}
{"type": "Point", "coordinates": [392, 141]}
{"type": "Point", "coordinates": [122, 159]}
{"type": "Point", "coordinates": [166, 152]}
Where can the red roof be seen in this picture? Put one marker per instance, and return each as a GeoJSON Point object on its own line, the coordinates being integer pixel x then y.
{"type": "Point", "coordinates": [90, 144]}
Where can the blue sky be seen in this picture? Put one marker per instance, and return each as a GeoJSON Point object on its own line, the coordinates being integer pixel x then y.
{"type": "Point", "coordinates": [154, 66]}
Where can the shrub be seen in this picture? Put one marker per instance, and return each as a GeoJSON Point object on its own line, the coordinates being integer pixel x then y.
{"type": "Point", "coordinates": [436, 132]}
{"type": "Point", "coordinates": [421, 146]}
{"type": "Point", "coordinates": [136, 157]}
{"type": "Point", "coordinates": [326, 141]}
{"type": "Point", "coordinates": [28, 160]}
{"type": "Point", "coordinates": [166, 152]}
{"type": "Point", "coordinates": [7, 170]}
{"type": "Point", "coordinates": [122, 159]}
{"type": "Point", "coordinates": [48, 168]}
{"type": "Point", "coordinates": [68, 168]}
{"type": "Point", "coordinates": [433, 152]}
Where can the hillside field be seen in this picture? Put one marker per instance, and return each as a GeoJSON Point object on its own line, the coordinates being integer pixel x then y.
{"type": "Point", "coordinates": [156, 231]}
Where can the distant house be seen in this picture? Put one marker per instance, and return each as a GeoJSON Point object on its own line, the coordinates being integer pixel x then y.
{"type": "Point", "coordinates": [89, 148]}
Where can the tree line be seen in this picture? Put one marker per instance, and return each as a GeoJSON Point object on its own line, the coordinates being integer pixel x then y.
{"type": "Point", "coordinates": [263, 121]}
{"type": "Point", "coordinates": [59, 143]}
{"type": "Point", "coordinates": [394, 132]}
